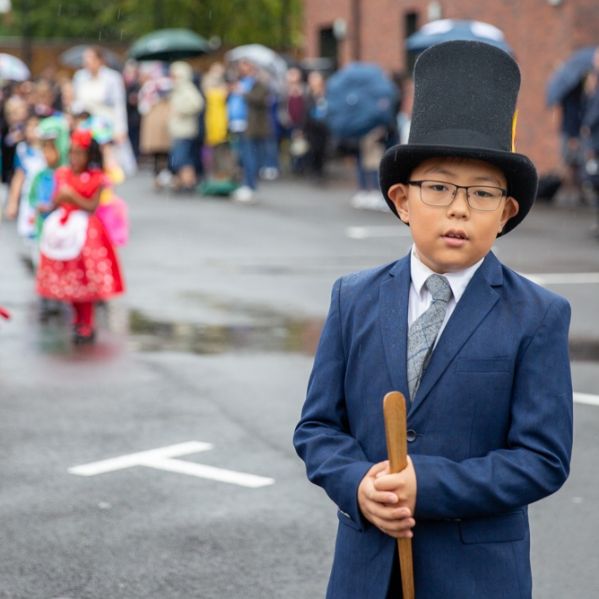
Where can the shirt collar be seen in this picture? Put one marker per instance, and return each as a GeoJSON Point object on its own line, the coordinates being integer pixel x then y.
{"type": "Point", "coordinates": [458, 280]}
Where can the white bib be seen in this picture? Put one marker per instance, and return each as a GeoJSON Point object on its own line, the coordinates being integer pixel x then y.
{"type": "Point", "coordinates": [64, 241]}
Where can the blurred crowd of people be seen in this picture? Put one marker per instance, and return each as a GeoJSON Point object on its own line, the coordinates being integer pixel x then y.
{"type": "Point", "coordinates": [219, 132]}
{"type": "Point", "coordinates": [228, 127]}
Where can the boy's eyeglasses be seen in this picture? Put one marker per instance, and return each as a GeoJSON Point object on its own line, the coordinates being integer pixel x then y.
{"type": "Point", "coordinates": [441, 193]}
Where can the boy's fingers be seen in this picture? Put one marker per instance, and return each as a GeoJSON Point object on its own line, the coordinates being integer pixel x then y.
{"type": "Point", "coordinates": [381, 496]}
{"type": "Point", "coordinates": [396, 527]}
{"type": "Point", "coordinates": [378, 468]}
{"type": "Point", "coordinates": [401, 525]}
{"type": "Point", "coordinates": [390, 515]}
{"type": "Point", "coordinates": [389, 482]}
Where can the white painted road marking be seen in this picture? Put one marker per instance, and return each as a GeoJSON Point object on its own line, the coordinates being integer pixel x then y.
{"type": "Point", "coordinates": [377, 231]}
{"type": "Point", "coordinates": [161, 459]}
{"type": "Point", "coordinates": [564, 278]}
{"type": "Point", "coordinates": [212, 473]}
{"type": "Point", "coordinates": [587, 399]}
{"type": "Point", "coordinates": [142, 458]}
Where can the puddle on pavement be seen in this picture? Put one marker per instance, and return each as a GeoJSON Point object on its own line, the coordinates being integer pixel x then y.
{"type": "Point", "coordinates": [243, 326]}
{"type": "Point", "coordinates": [279, 334]}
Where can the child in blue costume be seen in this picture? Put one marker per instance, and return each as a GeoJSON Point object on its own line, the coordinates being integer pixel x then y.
{"type": "Point", "coordinates": [53, 135]}
{"type": "Point", "coordinates": [29, 160]}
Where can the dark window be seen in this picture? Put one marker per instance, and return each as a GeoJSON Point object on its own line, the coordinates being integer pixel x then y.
{"type": "Point", "coordinates": [328, 45]}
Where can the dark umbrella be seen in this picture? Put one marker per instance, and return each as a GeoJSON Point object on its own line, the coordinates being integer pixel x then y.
{"type": "Point", "coordinates": [73, 57]}
{"type": "Point", "coordinates": [447, 30]}
{"type": "Point", "coordinates": [169, 45]}
{"type": "Point", "coordinates": [569, 74]}
{"type": "Point", "coordinates": [360, 97]}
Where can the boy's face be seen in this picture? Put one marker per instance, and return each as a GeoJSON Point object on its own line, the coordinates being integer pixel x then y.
{"type": "Point", "coordinates": [454, 237]}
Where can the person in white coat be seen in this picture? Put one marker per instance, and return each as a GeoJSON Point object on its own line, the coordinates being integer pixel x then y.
{"type": "Point", "coordinates": [100, 91]}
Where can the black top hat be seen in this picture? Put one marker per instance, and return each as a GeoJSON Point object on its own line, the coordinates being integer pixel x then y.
{"type": "Point", "coordinates": [464, 106]}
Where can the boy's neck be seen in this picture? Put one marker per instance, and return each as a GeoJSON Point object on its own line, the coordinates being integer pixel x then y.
{"type": "Point", "coordinates": [456, 272]}
{"type": "Point", "coordinates": [458, 280]}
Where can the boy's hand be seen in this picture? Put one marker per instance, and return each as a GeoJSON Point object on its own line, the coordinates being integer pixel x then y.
{"type": "Point", "coordinates": [403, 484]}
{"type": "Point", "coordinates": [384, 507]}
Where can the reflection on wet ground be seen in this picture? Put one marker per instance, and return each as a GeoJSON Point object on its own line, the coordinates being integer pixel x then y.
{"type": "Point", "coordinates": [241, 326]}
{"type": "Point", "coordinates": [281, 334]}
{"type": "Point", "coordinates": [244, 328]}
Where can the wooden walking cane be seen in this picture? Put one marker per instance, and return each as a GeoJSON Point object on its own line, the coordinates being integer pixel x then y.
{"type": "Point", "coordinates": [394, 409]}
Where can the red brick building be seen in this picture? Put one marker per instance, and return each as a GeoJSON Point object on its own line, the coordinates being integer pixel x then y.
{"type": "Point", "coordinates": [541, 33]}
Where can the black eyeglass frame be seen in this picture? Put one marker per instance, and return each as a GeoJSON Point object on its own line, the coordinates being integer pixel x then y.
{"type": "Point", "coordinates": [504, 193]}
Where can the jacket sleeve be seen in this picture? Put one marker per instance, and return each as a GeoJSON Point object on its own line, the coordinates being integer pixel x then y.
{"type": "Point", "coordinates": [334, 459]}
{"type": "Point", "coordinates": [535, 462]}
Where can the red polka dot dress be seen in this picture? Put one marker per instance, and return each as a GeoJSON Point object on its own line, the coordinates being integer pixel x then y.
{"type": "Point", "coordinates": [78, 262]}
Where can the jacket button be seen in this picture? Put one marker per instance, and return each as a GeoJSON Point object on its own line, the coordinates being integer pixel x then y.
{"type": "Point", "coordinates": [411, 435]}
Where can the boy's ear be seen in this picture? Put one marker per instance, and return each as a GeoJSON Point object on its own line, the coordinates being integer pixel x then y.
{"type": "Point", "coordinates": [510, 209]}
{"type": "Point", "coordinates": [398, 194]}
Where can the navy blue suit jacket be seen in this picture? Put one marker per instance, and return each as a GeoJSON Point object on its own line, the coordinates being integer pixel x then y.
{"type": "Point", "coordinates": [492, 422]}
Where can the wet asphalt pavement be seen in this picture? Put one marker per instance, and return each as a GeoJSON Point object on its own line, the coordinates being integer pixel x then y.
{"type": "Point", "coordinates": [213, 343]}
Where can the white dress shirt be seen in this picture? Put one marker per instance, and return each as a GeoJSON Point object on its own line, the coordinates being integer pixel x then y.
{"type": "Point", "coordinates": [420, 297]}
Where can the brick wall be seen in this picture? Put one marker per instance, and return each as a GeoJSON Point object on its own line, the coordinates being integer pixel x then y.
{"type": "Point", "coordinates": [540, 34]}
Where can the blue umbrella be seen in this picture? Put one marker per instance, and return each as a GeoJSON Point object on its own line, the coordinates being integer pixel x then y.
{"type": "Point", "coordinates": [447, 30]}
{"type": "Point", "coordinates": [360, 97]}
{"type": "Point", "coordinates": [569, 74]}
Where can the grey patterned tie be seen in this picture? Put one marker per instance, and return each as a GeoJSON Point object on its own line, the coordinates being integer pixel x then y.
{"type": "Point", "coordinates": [424, 329]}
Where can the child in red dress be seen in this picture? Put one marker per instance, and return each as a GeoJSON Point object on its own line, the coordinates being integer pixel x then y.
{"type": "Point", "coordinates": [78, 263]}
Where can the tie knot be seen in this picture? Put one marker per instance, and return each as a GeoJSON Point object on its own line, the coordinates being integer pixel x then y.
{"type": "Point", "coordinates": [439, 288]}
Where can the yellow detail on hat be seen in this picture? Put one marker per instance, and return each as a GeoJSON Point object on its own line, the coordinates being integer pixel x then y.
{"type": "Point", "coordinates": [514, 123]}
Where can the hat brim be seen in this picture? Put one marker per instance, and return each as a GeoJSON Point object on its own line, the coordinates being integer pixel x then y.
{"type": "Point", "coordinates": [522, 179]}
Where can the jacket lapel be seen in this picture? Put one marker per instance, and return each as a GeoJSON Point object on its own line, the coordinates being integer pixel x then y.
{"type": "Point", "coordinates": [393, 319]}
{"type": "Point", "coordinates": [478, 299]}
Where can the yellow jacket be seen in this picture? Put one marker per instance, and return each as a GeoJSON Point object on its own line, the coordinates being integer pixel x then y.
{"type": "Point", "coordinates": [216, 116]}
